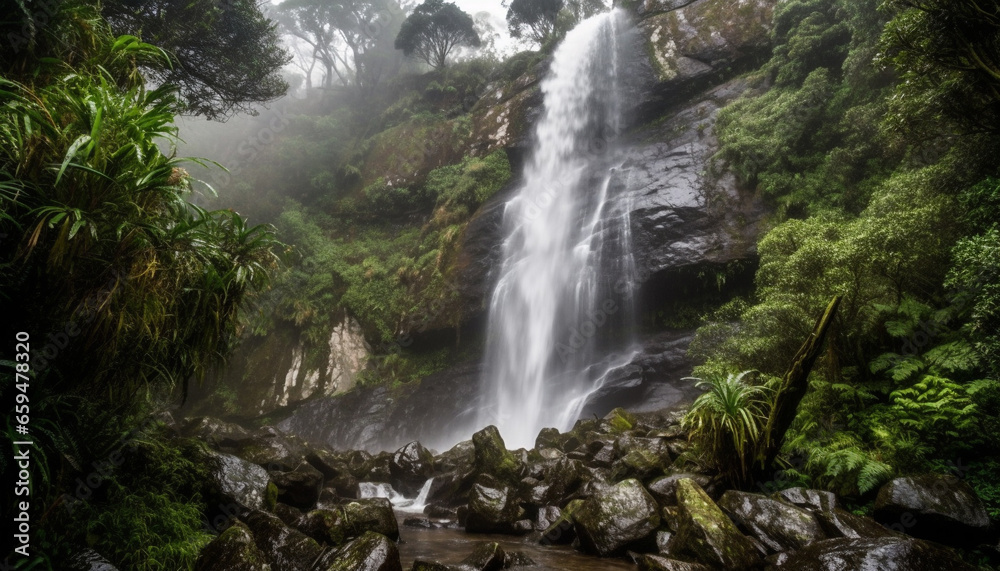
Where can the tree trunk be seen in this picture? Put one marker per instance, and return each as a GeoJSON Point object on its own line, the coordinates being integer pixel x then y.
{"type": "Point", "coordinates": [793, 387]}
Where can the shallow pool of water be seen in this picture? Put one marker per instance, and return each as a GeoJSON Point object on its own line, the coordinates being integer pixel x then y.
{"type": "Point", "coordinates": [451, 546]}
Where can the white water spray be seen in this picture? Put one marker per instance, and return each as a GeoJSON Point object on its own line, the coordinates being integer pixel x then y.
{"type": "Point", "coordinates": [554, 308]}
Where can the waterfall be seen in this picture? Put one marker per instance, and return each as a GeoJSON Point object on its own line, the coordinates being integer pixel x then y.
{"type": "Point", "coordinates": [563, 299]}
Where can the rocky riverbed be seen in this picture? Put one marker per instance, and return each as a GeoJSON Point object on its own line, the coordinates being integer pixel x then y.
{"type": "Point", "coordinates": [619, 492]}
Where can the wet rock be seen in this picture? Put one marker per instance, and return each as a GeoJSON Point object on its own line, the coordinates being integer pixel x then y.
{"type": "Point", "coordinates": [658, 563]}
{"type": "Point", "coordinates": [451, 489]}
{"type": "Point", "coordinates": [546, 516]}
{"type": "Point", "coordinates": [379, 468]}
{"type": "Point", "coordinates": [421, 565]}
{"type": "Point", "coordinates": [90, 560]}
{"type": "Point", "coordinates": [815, 500]}
{"type": "Point", "coordinates": [233, 550]}
{"type": "Point", "coordinates": [237, 481]}
{"type": "Point", "coordinates": [517, 559]}
{"type": "Point", "coordinates": [214, 432]}
{"type": "Point", "coordinates": [708, 535]}
{"type": "Point", "coordinates": [292, 517]}
{"type": "Point", "coordinates": [441, 512]}
{"type": "Point", "coordinates": [371, 514]}
{"type": "Point", "coordinates": [640, 458]}
{"type": "Point", "coordinates": [336, 472]}
{"type": "Point", "coordinates": [272, 450]}
{"type": "Point", "coordinates": [493, 458]}
{"type": "Point", "coordinates": [492, 510]}
{"type": "Point", "coordinates": [841, 523]}
{"type": "Point", "coordinates": [485, 557]}
{"type": "Point", "coordinates": [286, 549]}
{"type": "Point", "coordinates": [299, 488]}
{"type": "Point", "coordinates": [327, 526]}
{"type": "Point", "coordinates": [370, 552]}
{"type": "Point", "coordinates": [779, 526]}
{"type": "Point", "coordinates": [665, 542]}
{"type": "Point", "coordinates": [664, 489]}
{"type": "Point", "coordinates": [459, 458]}
{"type": "Point", "coordinates": [881, 554]}
{"type": "Point", "coordinates": [418, 523]}
{"type": "Point", "coordinates": [936, 507]}
{"type": "Point", "coordinates": [411, 466]}
{"type": "Point", "coordinates": [548, 438]}
{"type": "Point", "coordinates": [622, 516]}
{"type": "Point", "coordinates": [561, 531]}
{"type": "Point", "coordinates": [618, 421]}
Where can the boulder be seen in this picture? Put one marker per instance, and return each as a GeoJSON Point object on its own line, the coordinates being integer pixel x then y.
{"type": "Point", "coordinates": [233, 550]}
{"type": "Point", "coordinates": [640, 458]}
{"type": "Point", "coordinates": [881, 554]}
{"type": "Point", "coordinates": [236, 481]}
{"type": "Point", "coordinates": [620, 517]}
{"type": "Point", "coordinates": [841, 523]}
{"type": "Point", "coordinates": [548, 438]}
{"type": "Point", "coordinates": [936, 507]}
{"type": "Point", "coordinates": [271, 449]}
{"type": "Point", "coordinates": [708, 535]}
{"type": "Point", "coordinates": [664, 489]}
{"type": "Point", "coordinates": [286, 549]}
{"type": "Point", "coordinates": [658, 563]}
{"type": "Point", "coordinates": [813, 500]}
{"type": "Point", "coordinates": [546, 516]}
{"type": "Point", "coordinates": [371, 514]}
{"type": "Point", "coordinates": [459, 458]}
{"type": "Point", "coordinates": [370, 552]}
{"type": "Point", "coordinates": [411, 466]}
{"type": "Point", "coordinates": [561, 531]}
{"type": "Point", "coordinates": [214, 432]}
{"type": "Point", "coordinates": [485, 557]}
{"type": "Point", "coordinates": [90, 560]}
{"type": "Point", "coordinates": [299, 488]}
{"type": "Point", "coordinates": [492, 510]}
{"type": "Point", "coordinates": [336, 472]}
{"type": "Point", "coordinates": [779, 526]}
{"type": "Point", "coordinates": [492, 457]}
{"type": "Point", "coordinates": [327, 526]}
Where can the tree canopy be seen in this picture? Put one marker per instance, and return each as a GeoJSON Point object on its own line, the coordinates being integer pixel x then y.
{"type": "Point", "coordinates": [349, 38]}
{"type": "Point", "coordinates": [533, 19]}
{"type": "Point", "coordinates": [225, 56]}
{"type": "Point", "coordinates": [434, 29]}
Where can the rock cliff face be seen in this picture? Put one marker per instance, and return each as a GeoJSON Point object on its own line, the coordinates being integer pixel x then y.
{"type": "Point", "coordinates": [277, 371]}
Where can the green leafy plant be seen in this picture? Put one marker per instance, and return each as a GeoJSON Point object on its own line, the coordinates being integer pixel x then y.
{"type": "Point", "coordinates": [726, 421]}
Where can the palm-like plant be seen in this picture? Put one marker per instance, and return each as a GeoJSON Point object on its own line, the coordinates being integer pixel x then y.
{"type": "Point", "coordinates": [727, 421]}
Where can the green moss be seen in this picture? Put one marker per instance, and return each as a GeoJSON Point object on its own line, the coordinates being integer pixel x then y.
{"type": "Point", "coordinates": [270, 496]}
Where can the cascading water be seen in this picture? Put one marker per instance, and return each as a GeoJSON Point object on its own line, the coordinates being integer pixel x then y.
{"type": "Point", "coordinates": [565, 276]}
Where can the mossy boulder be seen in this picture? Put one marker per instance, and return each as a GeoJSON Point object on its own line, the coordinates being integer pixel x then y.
{"type": "Point", "coordinates": [493, 458]}
{"type": "Point", "coordinates": [493, 510]}
{"type": "Point", "coordinates": [640, 458]}
{"type": "Point", "coordinates": [371, 514]}
{"type": "Point", "coordinates": [618, 421]}
{"type": "Point", "coordinates": [779, 526]}
{"type": "Point", "coordinates": [561, 531]}
{"type": "Point", "coordinates": [370, 552]}
{"type": "Point", "coordinates": [285, 548]}
{"type": "Point", "coordinates": [233, 550]}
{"type": "Point", "coordinates": [664, 488]}
{"type": "Point", "coordinates": [708, 535]}
{"type": "Point", "coordinates": [620, 517]}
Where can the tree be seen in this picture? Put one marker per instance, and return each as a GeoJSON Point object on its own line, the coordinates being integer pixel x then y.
{"type": "Point", "coordinates": [534, 19]}
{"type": "Point", "coordinates": [225, 56]}
{"type": "Point", "coordinates": [434, 29]}
{"type": "Point", "coordinates": [350, 38]}
{"type": "Point", "coordinates": [948, 58]}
